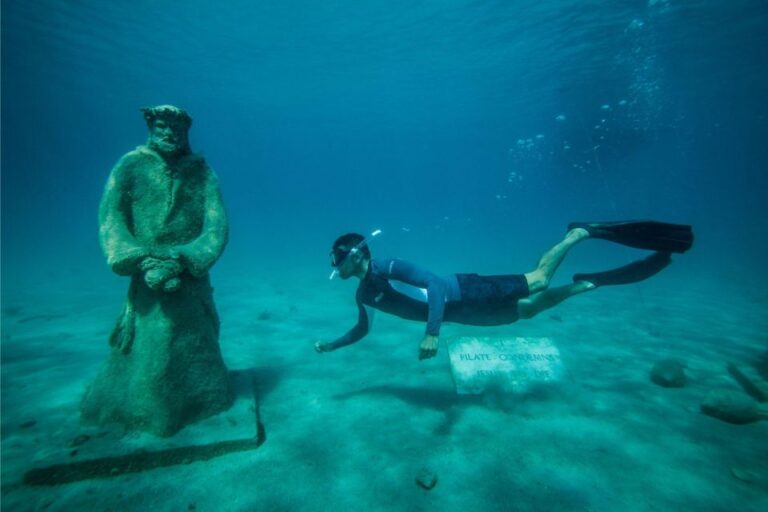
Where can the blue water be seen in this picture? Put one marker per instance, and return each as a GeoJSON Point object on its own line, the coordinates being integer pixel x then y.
{"type": "Point", "coordinates": [471, 133]}
{"type": "Point", "coordinates": [325, 118]}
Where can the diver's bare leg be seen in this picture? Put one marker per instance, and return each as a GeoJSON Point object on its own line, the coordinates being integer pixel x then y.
{"type": "Point", "coordinates": [538, 302]}
{"type": "Point", "coordinates": [538, 280]}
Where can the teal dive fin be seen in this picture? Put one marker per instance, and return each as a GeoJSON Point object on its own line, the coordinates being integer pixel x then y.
{"type": "Point", "coordinates": [632, 273]}
{"type": "Point", "coordinates": [642, 234]}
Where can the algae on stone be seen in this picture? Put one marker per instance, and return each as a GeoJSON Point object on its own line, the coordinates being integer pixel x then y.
{"type": "Point", "coordinates": [163, 224]}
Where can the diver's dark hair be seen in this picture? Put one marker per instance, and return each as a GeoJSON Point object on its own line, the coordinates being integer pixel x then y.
{"type": "Point", "coordinates": [349, 241]}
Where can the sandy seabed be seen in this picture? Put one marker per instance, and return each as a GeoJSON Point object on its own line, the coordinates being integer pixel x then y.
{"type": "Point", "coordinates": [352, 429]}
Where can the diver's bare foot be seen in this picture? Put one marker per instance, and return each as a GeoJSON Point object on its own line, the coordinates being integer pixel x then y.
{"type": "Point", "coordinates": [577, 234]}
{"type": "Point", "coordinates": [582, 286]}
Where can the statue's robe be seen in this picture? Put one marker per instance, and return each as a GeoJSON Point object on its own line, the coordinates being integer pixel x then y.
{"type": "Point", "coordinates": [165, 368]}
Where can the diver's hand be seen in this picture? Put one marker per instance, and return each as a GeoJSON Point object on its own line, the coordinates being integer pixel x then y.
{"type": "Point", "coordinates": [322, 347]}
{"type": "Point", "coordinates": [428, 347]}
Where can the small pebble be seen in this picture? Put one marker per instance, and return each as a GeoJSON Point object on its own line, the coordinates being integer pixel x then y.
{"type": "Point", "coordinates": [668, 373]}
{"type": "Point", "coordinates": [744, 475]}
{"type": "Point", "coordinates": [81, 439]}
{"type": "Point", "coordinates": [426, 479]}
{"type": "Point", "coordinates": [731, 407]}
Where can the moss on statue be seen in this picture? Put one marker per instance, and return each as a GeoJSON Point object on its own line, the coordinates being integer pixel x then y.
{"type": "Point", "coordinates": [163, 223]}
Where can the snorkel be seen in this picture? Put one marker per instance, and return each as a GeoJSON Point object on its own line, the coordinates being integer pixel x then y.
{"type": "Point", "coordinates": [353, 250]}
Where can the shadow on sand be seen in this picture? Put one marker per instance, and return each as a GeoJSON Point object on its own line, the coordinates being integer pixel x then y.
{"type": "Point", "coordinates": [254, 383]}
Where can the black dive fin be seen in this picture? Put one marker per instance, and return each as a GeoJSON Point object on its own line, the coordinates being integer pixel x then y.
{"type": "Point", "coordinates": [632, 273]}
{"type": "Point", "coordinates": [642, 234]}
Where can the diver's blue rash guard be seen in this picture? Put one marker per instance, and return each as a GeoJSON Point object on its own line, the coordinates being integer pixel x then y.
{"type": "Point", "coordinates": [403, 289]}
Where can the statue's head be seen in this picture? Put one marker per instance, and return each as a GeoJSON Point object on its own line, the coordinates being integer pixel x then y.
{"type": "Point", "coordinates": [168, 129]}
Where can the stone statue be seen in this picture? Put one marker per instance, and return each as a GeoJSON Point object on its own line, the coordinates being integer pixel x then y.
{"type": "Point", "coordinates": [163, 223]}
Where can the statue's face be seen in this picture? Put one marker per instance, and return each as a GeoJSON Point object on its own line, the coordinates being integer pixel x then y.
{"type": "Point", "coordinates": [169, 137]}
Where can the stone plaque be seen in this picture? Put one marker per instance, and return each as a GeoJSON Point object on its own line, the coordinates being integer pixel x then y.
{"type": "Point", "coordinates": [510, 365]}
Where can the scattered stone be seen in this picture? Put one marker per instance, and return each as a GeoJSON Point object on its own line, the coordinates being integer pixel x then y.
{"type": "Point", "coordinates": [732, 407]}
{"type": "Point", "coordinates": [28, 424]}
{"type": "Point", "coordinates": [426, 479]}
{"type": "Point", "coordinates": [12, 310]}
{"type": "Point", "coordinates": [749, 385]}
{"type": "Point", "coordinates": [744, 475]}
{"type": "Point", "coordinates": [652, 331]}
{"type": "Point", "coordinates": [45, 318]}
{"type": "Point", "coordinates": [761, 365]}
{"type": "Point", "coordinates": [79, 440]}
{"type": "Point", "coordinates": [668, 373]}
{"type": "Point", "coordinates": [265, 315]}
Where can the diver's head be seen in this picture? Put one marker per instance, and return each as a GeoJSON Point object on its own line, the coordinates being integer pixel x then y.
{"type": "Point", "coordinates": [350, 255]}
{"type": "Point", "coordinates": [168, 129]}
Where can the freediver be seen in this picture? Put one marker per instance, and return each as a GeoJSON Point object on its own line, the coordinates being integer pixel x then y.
{"type": "Point", "coordinates": [408, 291]}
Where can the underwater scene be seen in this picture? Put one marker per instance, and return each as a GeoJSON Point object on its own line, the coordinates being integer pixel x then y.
{"type": "Point", "coordinates": [384, 255]}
